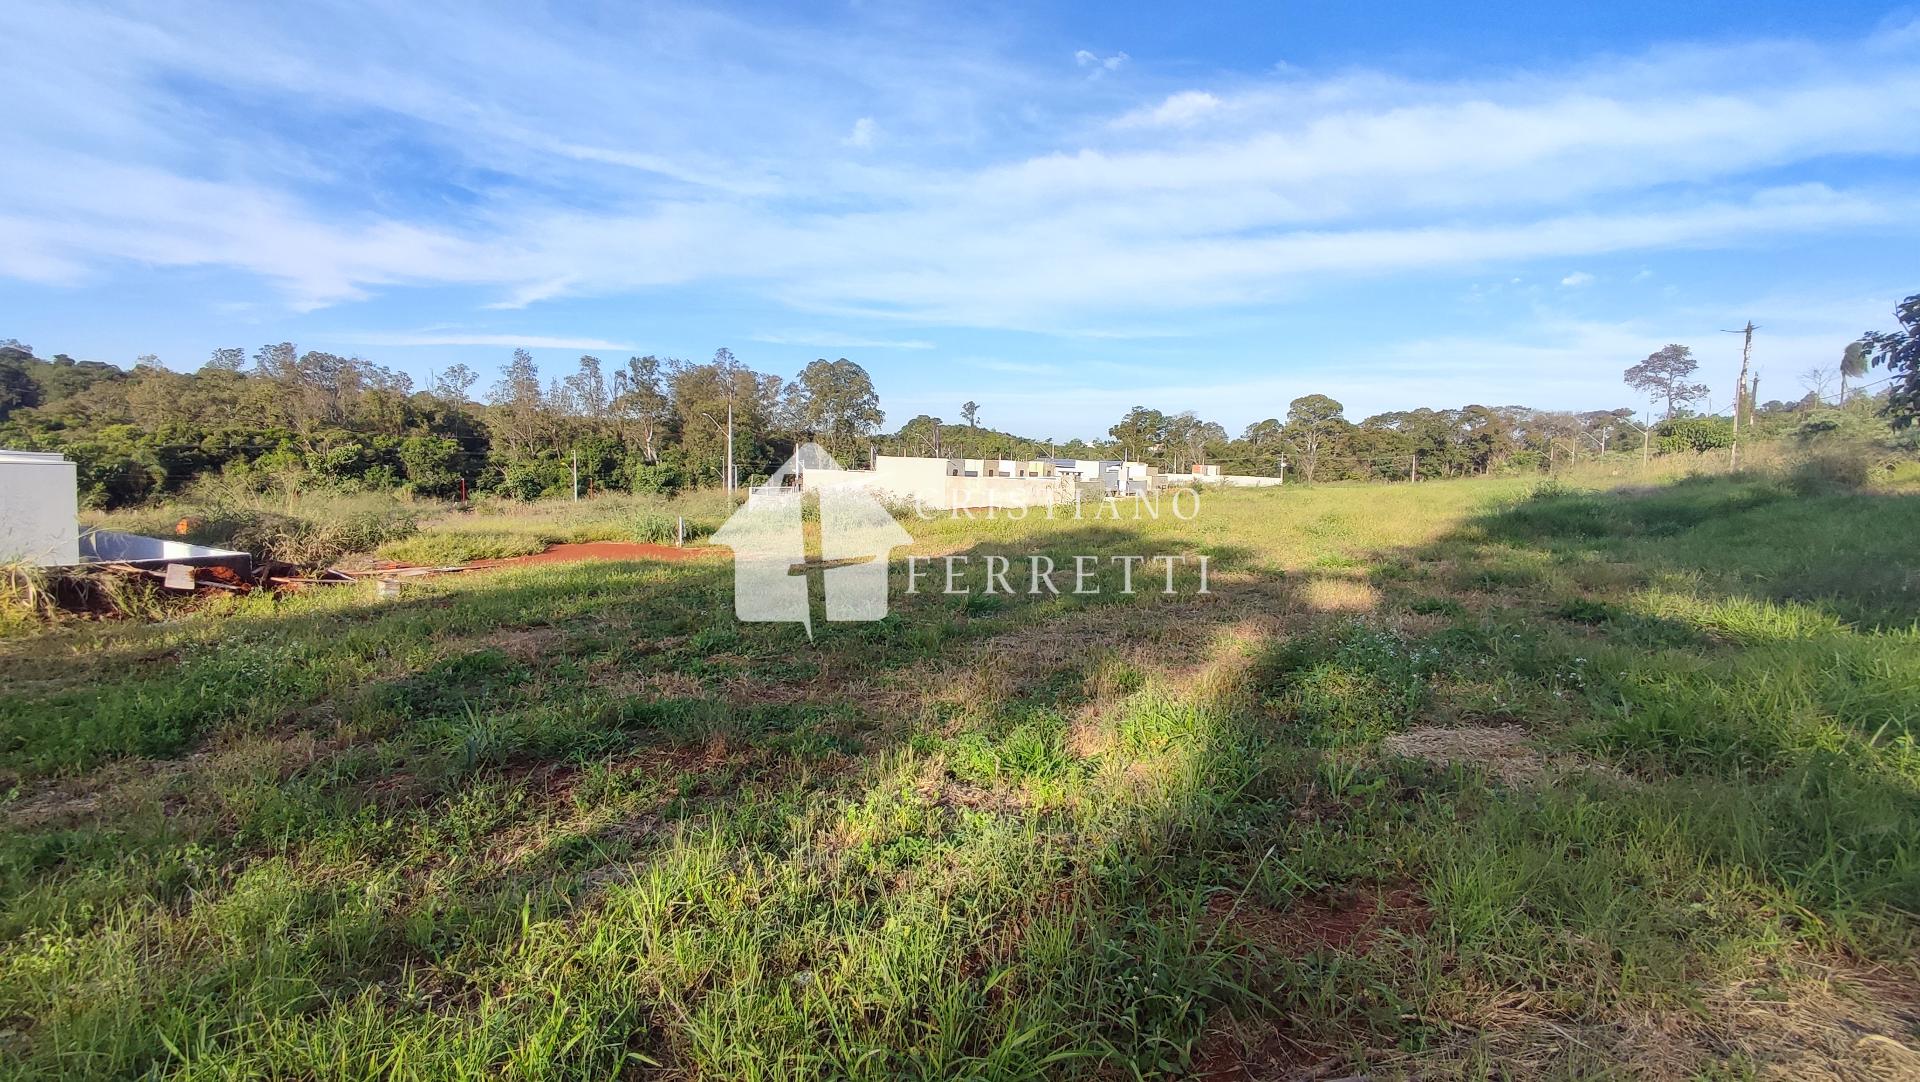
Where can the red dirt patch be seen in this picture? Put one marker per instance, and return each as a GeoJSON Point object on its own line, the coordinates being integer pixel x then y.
{"type": "Point", "coordinates": [1350, 921]}
{"type": "Point", "coordinates": [1260, 1052]}
{"type": "Point", "coordinates": [598, 550]}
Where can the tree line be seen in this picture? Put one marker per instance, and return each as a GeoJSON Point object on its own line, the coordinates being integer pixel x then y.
{"type": "Point", "coordinates": [285, 418]}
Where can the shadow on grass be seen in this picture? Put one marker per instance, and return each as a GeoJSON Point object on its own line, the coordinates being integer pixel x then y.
{"type": "Point", "coordinates": [578, 820]}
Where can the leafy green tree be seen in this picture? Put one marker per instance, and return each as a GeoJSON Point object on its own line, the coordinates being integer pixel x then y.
{"type": "Point", "coordinates": [836, 405]}
{"type": "Point", "coordinates": [701, 395]}
{"type": "Point", "coordinates": [1314, 422]}
{"type": "Point", "coordinates": [226, 359]}
{"type": "Point", "coordinates": [1665, 376]}
{"type": "Point", "coordinates": [17, 388]}
{"type": "Point", "coordinates": [519, 414]}
{"type": "Point", "coordinates": [455, 383]}
{"type": "Point", "coordinates": [1141, 434]}
{"type": "Point", "coordinates": [430, 464]}
{"type": "Point", "coordinates": [587, 395]}
{"type": "Point", "coordinates": [1899, 353]}
{"type": "Point", "coordinates": [920, 436]}
{"type": "Point", "coordinates": [642, 406]}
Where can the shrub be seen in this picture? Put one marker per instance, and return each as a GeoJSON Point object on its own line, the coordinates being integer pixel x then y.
{"type": "Point", "coordinates": [1834, 467]}
{"type": "Point", "coordinates": [320, 540]}
{"type": "Point", "coordinates": [1695, 434]}
{"type": "Point", "coordinates": [441, 548]}
{"type": "Point", "coordinates": [655, 527]}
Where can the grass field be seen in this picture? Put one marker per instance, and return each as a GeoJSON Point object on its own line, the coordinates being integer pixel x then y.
{"type": "Point", "coordinates": [1463, 779]}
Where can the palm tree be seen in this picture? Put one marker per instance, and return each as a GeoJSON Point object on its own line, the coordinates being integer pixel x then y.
{"type": "Point", "coordinates": [1853, 364]}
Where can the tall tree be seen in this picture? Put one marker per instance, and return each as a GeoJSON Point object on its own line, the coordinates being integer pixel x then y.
{"type": "Point", "coordinates": [970, 413]}
{"type": "Point", "coordinates": [455, 383]}
{"type": "Point", "coordinates": [836, 405]}
{"type": "Point", "coordinates": [639, 401]}
{"type": "Point", "coordinates": [518, 416]}
{"type": "Point", "coordinates": [1262, 434]}
{"type": "Point", "coordinates": [226, 359]}
{"type": "Point", "coordinates": [1312, 423]}
{"type": "Point", "coordinates": [701, 394]}
{"type": "Point", "coordinates": [1665, 375]}
{"type": "Point", "coordinates": [1141, 434]}
{"type": "Point", "coordinates": [586, 391]}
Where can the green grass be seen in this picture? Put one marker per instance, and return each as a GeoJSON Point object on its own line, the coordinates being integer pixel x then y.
{"type": "Point", "coordinates": [575, 821]}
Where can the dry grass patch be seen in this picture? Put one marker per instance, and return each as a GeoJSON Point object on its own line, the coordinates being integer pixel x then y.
{"type": "Point", "coordinates": [1506, 752]}
{"type": "Point", "coordinates": [1328, 594]}
{"type": "Point", "coordinates": [1812, 1022]}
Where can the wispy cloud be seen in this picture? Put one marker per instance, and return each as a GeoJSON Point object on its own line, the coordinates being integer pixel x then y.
{"type": "Point", "coordinates": [1178, 110]}
{"type": "Point", "coordinates": [339, 165]}
{"type": "Point", "coordinates": [509, 341]}
{"type": "Point", "coordinates": [1098, 64]}
{"type": "Point", "coordinates": [862, 135]}
{"type": "Point", "coordinates": [840, 341]}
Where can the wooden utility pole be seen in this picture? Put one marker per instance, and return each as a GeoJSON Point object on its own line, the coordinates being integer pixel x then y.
{"type": "Point", "coordinates": [1740, 390]}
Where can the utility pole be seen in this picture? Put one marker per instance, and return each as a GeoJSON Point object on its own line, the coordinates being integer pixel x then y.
{"type": "Point", "coordinates": [1740, 389]}
{"type": "Point", "coordinates": [1753, 400]}
{"type": "Point", "coordinates": [1413, 469]}
{"type": "Point", "coordinates": [1646, 442]}
{"type": "Point", "coordinates": [576, 476]}
{"type": "Point", "coordinates": [727, 478]}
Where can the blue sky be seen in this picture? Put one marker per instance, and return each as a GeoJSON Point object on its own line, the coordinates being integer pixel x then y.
{"type": "Point", "coordinates": [1057, 213]}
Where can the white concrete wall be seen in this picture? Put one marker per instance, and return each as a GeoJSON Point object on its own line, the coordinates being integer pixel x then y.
{"type": "Point", "coordinates": [39, 509]}
{"type": "Point", "coordinates": [1228, 480]}
{"type": "Point", "coordinates": [929, 483]}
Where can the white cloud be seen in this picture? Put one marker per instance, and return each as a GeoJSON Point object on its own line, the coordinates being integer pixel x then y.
{"type": "Point", "coordinates": [627, 173]}
{"type": "Point", "coordinates": [1179, 110]}
{"type": "Point", "coordinates": [861, 137]}
{"type": "Point", "coordinates": [1100, 64]}
{"type": "Point", "coordinates": [1577, 279]}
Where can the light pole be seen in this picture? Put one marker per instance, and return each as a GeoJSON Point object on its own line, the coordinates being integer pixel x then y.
{"type": "Point", "coordinates": [728, 433]}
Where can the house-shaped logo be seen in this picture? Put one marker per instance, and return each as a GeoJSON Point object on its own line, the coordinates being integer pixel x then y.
{"type": "Point", "coordinates": [771, 570]}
